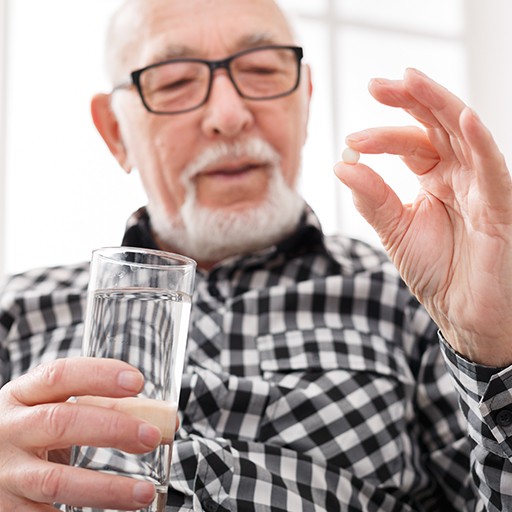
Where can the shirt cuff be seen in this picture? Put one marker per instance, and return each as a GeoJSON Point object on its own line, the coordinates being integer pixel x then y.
{"type": "Point", "coordinates": [485, 398]}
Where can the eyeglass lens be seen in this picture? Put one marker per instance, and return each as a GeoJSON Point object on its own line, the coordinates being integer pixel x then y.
{"type": "Point", "coordinates": [183, 85]}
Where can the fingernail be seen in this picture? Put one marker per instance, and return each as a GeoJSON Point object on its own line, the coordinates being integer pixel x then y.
{"type": "Point", "coordinates": [130, 380]}
{"type": "Point", "coordinates": [414, 70]}
{"type": "Point", "coordinates": [357, 136]}
{"type": "Point", "coordinates": [473, 113]}
{"type": "Point", "coordinates": [149, 435]}
{"type": "Point", "coordinates": [377, 80]}
{"type": "Point", "coordinates": [143, 492]}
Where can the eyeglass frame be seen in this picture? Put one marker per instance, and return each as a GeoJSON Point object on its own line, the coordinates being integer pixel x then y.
{"type": "Point", "coordinates": [213, 65]}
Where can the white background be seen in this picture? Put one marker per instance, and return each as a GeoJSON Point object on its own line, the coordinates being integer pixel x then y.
{"type": "Point", "coordinates": [61, 192]}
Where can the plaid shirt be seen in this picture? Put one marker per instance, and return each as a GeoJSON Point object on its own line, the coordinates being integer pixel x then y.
{"type": "Point", "coordinates": [314, 382]}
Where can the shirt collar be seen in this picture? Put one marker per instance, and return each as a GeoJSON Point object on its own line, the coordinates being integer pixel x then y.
{"type": "Point", "coordinates": [308, 238]}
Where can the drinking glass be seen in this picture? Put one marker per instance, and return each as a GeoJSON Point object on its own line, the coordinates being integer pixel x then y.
{"type": "Point", "coordinates": [138, 309]}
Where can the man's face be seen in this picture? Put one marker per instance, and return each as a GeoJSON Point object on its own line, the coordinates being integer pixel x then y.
{"type": "Point", "coordinates": [162, 147]}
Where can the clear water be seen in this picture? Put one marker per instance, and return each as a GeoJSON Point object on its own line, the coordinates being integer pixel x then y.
{"type": "Point", "coordinates": [148, 329]}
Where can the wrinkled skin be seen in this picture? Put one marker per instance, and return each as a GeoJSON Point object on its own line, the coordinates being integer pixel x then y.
{"type": "Point", "coordinates": [37, 426]}
{"type": "Point", "coordinates": [453, 244]}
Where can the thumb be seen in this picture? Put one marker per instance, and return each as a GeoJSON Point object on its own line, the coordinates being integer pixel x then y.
{"type": "Point", "coordinates": [374, 199]}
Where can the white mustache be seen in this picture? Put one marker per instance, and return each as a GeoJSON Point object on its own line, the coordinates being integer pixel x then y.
{"type": "Point", "coordinates": [254, 149]}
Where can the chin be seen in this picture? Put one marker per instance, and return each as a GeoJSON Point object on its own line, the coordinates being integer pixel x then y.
{"type": "Point", "coordinates": [212, 234]}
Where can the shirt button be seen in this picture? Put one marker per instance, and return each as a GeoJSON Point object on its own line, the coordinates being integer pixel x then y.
{"type": "Point", "coordinates": [210, 506]}
{"type": "Point", "coordinates": [504, 418]}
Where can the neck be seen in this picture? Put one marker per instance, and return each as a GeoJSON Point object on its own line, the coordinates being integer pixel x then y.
{"type": "Point", "coordinates": [203, 265]}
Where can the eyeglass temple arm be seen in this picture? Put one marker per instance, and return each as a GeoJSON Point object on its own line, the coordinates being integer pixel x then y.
{"type": "Point", "coordinates": [123, 85]}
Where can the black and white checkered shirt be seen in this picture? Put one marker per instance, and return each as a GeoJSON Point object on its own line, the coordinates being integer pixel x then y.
{"type": "Point", "coordinates": [314, 382]}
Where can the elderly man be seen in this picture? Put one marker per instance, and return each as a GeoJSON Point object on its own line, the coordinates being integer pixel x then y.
{"type": "Point", "coordinates": [314, 379]}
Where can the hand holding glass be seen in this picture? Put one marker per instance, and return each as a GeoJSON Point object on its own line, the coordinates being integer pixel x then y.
{"type": "Point", "coordinates": [138, 309]}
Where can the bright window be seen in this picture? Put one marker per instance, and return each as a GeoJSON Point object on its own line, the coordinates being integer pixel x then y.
{"type": "Point", "coordinates": [63, 193]}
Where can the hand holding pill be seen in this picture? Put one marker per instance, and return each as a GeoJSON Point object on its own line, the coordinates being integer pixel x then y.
{"type": "Point", "coordinates": [461, 218]}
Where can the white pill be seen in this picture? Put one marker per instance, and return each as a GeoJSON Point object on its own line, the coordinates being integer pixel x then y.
{"type": "Point", "coordinates": [350, 156]}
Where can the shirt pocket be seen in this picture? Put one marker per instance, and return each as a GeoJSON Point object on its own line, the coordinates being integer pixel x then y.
{"type": "Point", "coordinates": [340, 396]}
{"type": "Point", "coordinates": [325, 349]}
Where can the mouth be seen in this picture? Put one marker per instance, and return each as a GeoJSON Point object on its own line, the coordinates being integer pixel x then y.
{"type": "Point", "coordinates": [233, 182]}
{"type": "Point", "coordinates": [233, 170]}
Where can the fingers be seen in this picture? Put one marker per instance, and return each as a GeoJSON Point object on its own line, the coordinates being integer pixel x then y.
{"type": "Point", "coordinates": [48, 483]}
{"type": "Point", "coordinates": [423, 98]}
{"type": "Point", "coordinates": [35, 419]}
{"type": "Point", "coordinates": [60, 425]}
{"type": "Point", "coordinates": [394, 94]}
{"type": "Point", "coordinates": [373, 198]}
{"type": "Point", "coordinates": [443, 105]}
{"type": "Point", "coordinates": [34, 507]}
{"type": "Point", "coordinates": [410, 142]}
{"type": "Point", "coordinates": [432, 105]}
{"type": "Point", "coordinates": [453, 134]}
{"type": "Point", "coordinates": [494, 179]}
{"type": "Point", "coordinates": [160, 413]}
{"type": "Point", "coordinates": [63, 378]}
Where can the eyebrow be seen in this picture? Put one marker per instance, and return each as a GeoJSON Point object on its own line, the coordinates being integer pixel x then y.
{"type": "Point", "coordinates": [245, 42]}
{"type": "Point", "coordinates": [261, 39]}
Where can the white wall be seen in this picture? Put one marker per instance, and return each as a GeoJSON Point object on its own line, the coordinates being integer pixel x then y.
{"type": "Point", "coordinates": [61, 192]}
{"type": "Point", "coordinates": [3, 36]}
{"type": "Point", "coordinates": [65, 194]}
{"type": "Point", "coordinates": [489, 41]}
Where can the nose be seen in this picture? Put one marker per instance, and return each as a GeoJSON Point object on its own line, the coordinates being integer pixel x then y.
{"type": "Point", "coordinates": [226, 114]}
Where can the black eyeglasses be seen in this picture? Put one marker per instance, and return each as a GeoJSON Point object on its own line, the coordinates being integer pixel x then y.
{"type": "Point", "coordinates": [180, 85]}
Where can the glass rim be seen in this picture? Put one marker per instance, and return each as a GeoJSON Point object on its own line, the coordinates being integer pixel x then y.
{"type": "Point", "coordinates": [175, 260]}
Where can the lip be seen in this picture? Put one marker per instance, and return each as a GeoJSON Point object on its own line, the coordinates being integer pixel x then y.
{"type": "Point", "coordinates": [233, 169]}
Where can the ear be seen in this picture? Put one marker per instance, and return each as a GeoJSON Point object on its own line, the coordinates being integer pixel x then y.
{"type": "Point", "coordinates": [108, 126]}
{"type": "Point", "coordinates": [306, 94]}
{"type": "Point", "coordinates": [307, 73]}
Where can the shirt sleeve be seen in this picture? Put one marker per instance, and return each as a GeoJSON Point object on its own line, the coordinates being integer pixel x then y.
{"type": "Point", "coordinates": [41, 318]}
{"type": "Point", "coordinates": [485, 396]}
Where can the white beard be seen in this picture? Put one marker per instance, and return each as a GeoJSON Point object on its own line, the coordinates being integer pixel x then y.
{"type": "Point", "coordinates": [209, 235]}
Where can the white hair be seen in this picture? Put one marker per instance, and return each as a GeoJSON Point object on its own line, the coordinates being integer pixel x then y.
{"type": "Point", "coordinates": [208, 234]}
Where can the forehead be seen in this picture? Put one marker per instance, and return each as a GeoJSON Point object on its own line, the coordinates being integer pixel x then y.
{"type": "Point", "coordinates": [146, 31]}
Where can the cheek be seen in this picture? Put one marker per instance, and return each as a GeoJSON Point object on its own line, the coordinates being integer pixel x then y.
{"type": "Point", "coordinates": [159, 147]}
{"type": "Point", "coordinates": [159, 162]}
{"type": "Point", "coordinates": [286, 133]}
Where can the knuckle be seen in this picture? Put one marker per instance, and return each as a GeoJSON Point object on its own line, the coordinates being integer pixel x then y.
{"type": "Point", "coordinates": [53, 420]}
{"type": "Point", "coordinates": [52, 484]}
{"type": "Point", "coordinates": [8, 478]}
{"type": "Point", "coordinates": [52, 373]}
{"type": "Point", "coordinates": [120, 431]}
{"type": "Point", "coordinates": [57, 418]}
{"type": "Point", "coordinates": [115, 423]}
{"type": "Point", "coordinates": [8, 393]}
{"type": "Point", "coordinates": [6, 389]}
